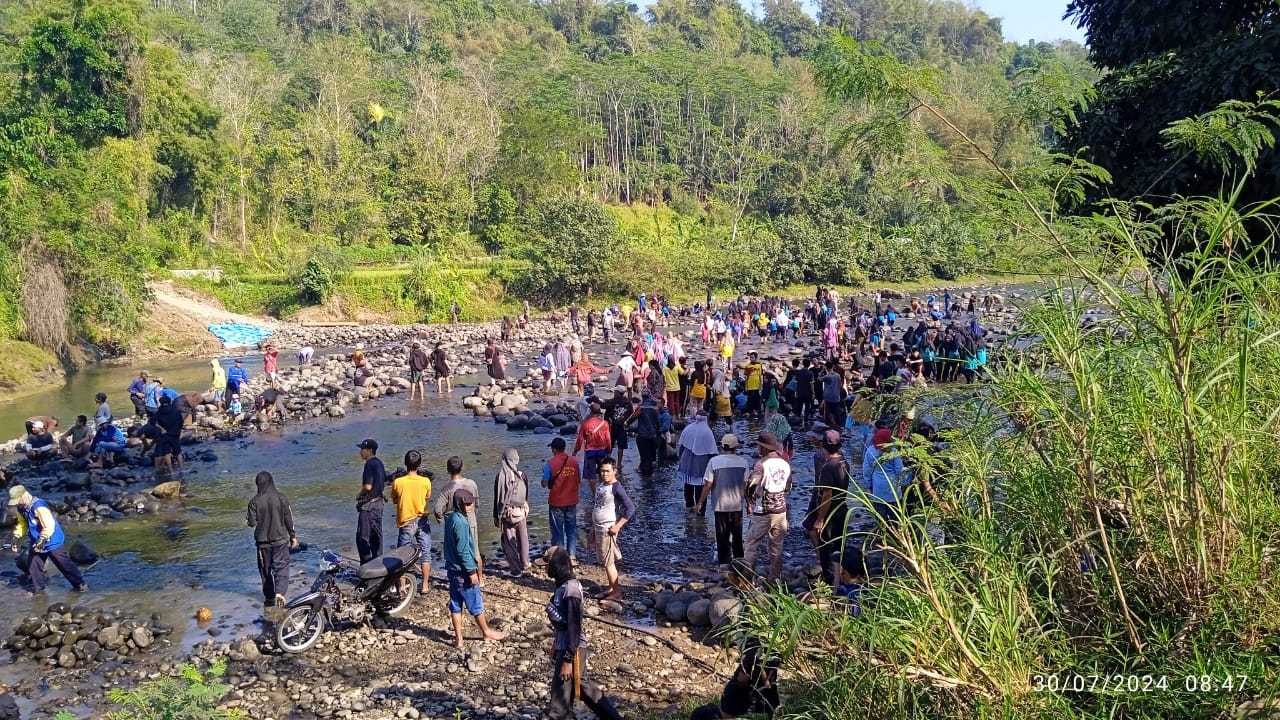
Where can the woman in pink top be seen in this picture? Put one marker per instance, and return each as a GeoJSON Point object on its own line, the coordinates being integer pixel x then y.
{"type": "Point", "coordinates": [271, 363]}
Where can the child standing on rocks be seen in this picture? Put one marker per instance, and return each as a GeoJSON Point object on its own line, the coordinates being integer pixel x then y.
{"type": "Point", "coordinates": [568, 676]}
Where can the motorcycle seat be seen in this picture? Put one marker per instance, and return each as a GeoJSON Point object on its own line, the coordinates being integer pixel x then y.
{"type": "Point", "coordinates": [390, 562]}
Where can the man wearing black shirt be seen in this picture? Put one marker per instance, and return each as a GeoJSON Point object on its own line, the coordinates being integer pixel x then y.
{"type": "Point", "coordinates": [369, 503]}
{"type": "Point", "coordinates": [169, 444]}
{"type": "Point", "coordinates": [804, 390]}
{"type": "Point", "coordinates": [617, 410]}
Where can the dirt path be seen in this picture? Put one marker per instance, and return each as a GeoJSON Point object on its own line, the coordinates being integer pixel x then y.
{"type": "Point", "coordinates": [204, 310]}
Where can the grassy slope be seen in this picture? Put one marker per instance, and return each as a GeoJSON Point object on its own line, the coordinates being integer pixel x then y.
{"type": "Point", "coordinates": [25, 368]}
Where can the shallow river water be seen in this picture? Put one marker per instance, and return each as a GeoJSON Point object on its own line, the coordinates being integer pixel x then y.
{"type": "Point", "coordinates": [202, 555]}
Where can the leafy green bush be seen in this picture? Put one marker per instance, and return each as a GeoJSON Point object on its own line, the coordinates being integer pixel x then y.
{"type": "Point", "coordinates": [570, 245]}
{"type": "Point", "coordinates": [190, 696]}
{"type": "Point", "coordinates": [320, 276]}
{"type": "Point", "coordinates": [893, 259]}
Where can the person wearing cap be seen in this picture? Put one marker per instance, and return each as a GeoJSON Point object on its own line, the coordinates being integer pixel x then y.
{"type": "Point", "coordinates": [271, 363]}
{"type": "Point", "coordinates": [767, 488]}
{"type": "Point", "coordinates": [883, 474]}
{"type": "Point", "coordinates": [38, 444]}
{"type": "Point", "coordinates": [411, 493]}
{"type": "Point", "coordinates": [45, 539]}
{"type": "Point", "coordinates": [828, 508]}
{"type": "Point", "coordinates": [369, 502]}
{"type": "Point", "coordinates": [595, 439]}
{"type": "Point", "coordinates": [563, 481]}
{"type": "Point", "coordinates": [107, 441]}
{"type": "Point", "coordinates": [462, 566]}
{"type": "Point", "coordinates": [724, 483]}
{"type": "Point", "coordinates": [418, 362]}
{"type": "Point", "coordinates": [271, 518]}
{"type": "Point", "coordinates": [236, 377]}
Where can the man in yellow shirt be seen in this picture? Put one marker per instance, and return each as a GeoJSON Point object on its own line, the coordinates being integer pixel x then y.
{"type": "Point", "coordinates": [410, 493]}
{"type": "Point", "coordinates": [755, 380]}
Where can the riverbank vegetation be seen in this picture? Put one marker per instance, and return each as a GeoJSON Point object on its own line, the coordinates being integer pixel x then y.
{"type": "Point", "coordinates": [453, 145]}
{"type": "Point", "coordinates": [1105, 517]}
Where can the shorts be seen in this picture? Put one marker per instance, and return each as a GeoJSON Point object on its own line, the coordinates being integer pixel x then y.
{"type": "Point", "coordinates": [419, 533]}
{"type": "Point", "coordinates": [590, 460]}
{"type": "Point", "coordinates": [415, 377]}
{"type": "Point", "coordinates": [462, 592]}
{"type": "Point", "coordinates": [607, 547]}
{"type": "Point", "coordinates": [167, 445]}
{"type": "Point", "coordinates": [619, 438]}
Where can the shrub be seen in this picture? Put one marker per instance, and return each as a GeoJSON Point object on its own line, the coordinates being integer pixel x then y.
{"type": "Point", "coordinates": [570, 244]}
{"type": "Point", "coordinates": [190, 696]}
{"type": "Point", "coordinates": [320, 276]}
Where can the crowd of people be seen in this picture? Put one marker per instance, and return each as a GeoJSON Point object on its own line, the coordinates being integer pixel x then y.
{"type": "Point", "coordinates": [681, 399]}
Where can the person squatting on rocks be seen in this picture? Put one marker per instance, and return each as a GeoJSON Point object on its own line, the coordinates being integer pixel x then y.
{"type": "Point", "coordinates": [511, 511]}
{"type": "Point", "coordinates": [45, 541]}
{"type": "Point", "coordinates": [370, 503]}
{"type": "Point", "coordinates": [411, 493]}
{"type": "Point", "coordinates": [272, 521]}
{"type": "Point", "coordinates": [752, 688]}
{"type": "Point", "coordinates": [569, 680]}
{"type": "Point", "coordinates": [462, 567]}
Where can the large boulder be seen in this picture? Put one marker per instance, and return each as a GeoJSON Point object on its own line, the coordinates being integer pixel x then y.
{"type": "Point", "coordinates": [82, 554]}
{"type": "Point", "coordinates": [676, 610]}
{"type": "Point", "coordinates": [167, 490]}
{"type": "Point", "coordinates": [697, 612]}
{"type": "Point", "coordinates": [723, 610]}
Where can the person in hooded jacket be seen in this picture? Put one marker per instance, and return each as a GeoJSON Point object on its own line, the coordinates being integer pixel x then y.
{"type": "Point", "coordinates": [511, 511]}
{"type": "Point", "coordinates": [272, 521]}
{"type": "Point", "coordinates": [569, 682]}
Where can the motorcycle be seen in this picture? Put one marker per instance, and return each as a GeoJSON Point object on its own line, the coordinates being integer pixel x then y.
{"type": "Point", "coordinates": [383, 587]}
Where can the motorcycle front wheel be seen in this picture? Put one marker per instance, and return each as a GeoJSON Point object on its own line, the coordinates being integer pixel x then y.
{"type": "Point", "coordinates": [397, 596]}
{"type": "Point", "coordinates": [300, 628]}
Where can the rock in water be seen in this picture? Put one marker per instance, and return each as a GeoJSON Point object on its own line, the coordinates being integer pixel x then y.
{"type": "Point", "coordinates": [66, 658]}
{"type": "Point", "coordinates": [167, 490]}
{"type": "Point", "coordinates": [675, 610]}
{"type": "Point", "coordinates": [82, 554]}
{"type": "Point", "coordinates": [9, 708]}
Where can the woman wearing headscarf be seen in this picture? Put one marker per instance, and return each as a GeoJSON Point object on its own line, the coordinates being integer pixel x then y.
{"type": "Point", "coordinates": [569, 681]}
{"type": "Point", "coordinates": [511, 511]}
{"type": "Point", "coordinates": [697, 446]}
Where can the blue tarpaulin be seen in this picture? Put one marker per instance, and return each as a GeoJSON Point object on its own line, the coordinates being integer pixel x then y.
{"type": "Point", "coordinates": [240, 334]}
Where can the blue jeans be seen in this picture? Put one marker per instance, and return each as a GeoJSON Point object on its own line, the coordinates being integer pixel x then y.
{"type": "Point", "coordinates": [564, 528]}
{"type": "Point", "coordinates": [417, 532]}
{"type": "Point", "coordinates": [463, 592]}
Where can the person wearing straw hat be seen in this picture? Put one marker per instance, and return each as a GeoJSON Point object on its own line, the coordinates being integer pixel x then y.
{"type": "Point", "coordinates": [767, 501]}
{"type": "Point", "coordinates": [45, 538]}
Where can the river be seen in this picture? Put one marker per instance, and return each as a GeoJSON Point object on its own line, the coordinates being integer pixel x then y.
{"type": "Point", "coordinates": [201, 555]}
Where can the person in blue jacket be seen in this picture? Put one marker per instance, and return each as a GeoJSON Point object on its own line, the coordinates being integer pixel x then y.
{"type": "Point", "coordinates": [884, 474]}
{"type": "Point", "coordinates": [236, 377]}
{"type": "Point", "coordinates": [46, 541]}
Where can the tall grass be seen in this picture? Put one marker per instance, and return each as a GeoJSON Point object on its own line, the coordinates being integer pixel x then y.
{"type": "Point", "coordinates": [1108, 510]}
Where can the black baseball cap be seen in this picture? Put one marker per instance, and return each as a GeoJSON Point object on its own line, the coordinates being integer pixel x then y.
{"type": "Point", "coordinates": [556, 444]}
{"type": "Point", "coordinates": [368, 444]}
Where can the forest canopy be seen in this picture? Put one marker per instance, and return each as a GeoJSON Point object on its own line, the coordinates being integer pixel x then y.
{"type": "Point", "coordinates": [259, 135]}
